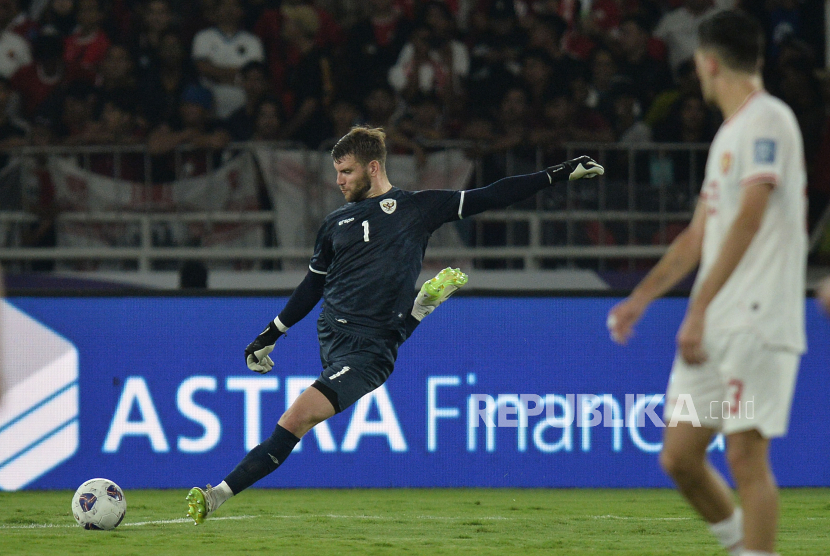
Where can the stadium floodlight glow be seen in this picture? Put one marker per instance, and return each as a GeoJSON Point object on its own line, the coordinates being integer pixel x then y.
{"type": "Point", "coordinates": [39, 427]}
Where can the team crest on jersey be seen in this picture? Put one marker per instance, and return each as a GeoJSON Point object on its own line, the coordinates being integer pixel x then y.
{"type": "Point", "coordinates": [726, 162]}
{"type": "Point", "coordinates": [388, 205]}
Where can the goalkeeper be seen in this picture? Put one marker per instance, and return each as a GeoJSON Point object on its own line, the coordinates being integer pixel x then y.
{"type": "Point", "coordinates": [367, 258]}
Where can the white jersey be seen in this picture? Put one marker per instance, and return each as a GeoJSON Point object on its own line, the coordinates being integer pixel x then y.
{"type": "Point", "coordinates": [760, 143]}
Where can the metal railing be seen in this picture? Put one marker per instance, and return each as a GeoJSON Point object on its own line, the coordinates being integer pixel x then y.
{"type": "Point", "coordinates": [615, 221]}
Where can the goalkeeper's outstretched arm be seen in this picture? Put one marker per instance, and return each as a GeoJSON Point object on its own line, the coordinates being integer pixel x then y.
{"type": "Point", "coordinates": [513, 189]}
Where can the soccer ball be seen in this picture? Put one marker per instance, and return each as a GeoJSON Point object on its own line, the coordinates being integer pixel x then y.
{"type": "Point", "coordinates": [99, 504]}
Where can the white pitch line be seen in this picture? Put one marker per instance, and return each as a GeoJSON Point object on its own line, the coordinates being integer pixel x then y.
{"type": "Point", "coordinates": [38, 526]}
{"type": "Point", "coordinates": [333, 516]}
{"type": "Point", "coordinates": [628, 518]}
{"type": "Point", "coordinates": [466, 518]}
{"type": "Point", "coordinates": [189, 520]}
{"type": "Point", "coordinates": [185, 520]}
{"type": "Point", "coordinates": [127, 524]}
{"type": "Point", "coordinates": [239, 517]}
{"type": "Point", "coordinates": [382, 517]}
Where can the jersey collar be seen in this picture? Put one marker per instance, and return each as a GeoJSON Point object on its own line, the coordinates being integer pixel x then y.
{"type": "Point", "coordinates": [744, 104]}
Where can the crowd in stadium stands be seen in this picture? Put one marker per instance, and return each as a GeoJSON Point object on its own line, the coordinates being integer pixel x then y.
{"type": "Point", "coordinates": [511, 73]}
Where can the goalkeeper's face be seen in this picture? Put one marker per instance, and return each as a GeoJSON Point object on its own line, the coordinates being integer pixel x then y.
{"type": "Point", "coordinates": [352, 179]}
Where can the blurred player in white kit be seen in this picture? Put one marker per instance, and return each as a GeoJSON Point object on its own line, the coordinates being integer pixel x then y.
{"type": "Point", "coordinates": [742, 337]}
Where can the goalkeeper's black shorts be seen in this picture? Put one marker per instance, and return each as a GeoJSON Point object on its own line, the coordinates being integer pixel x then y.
{"type": "Point", "coordinates": [353, 364]}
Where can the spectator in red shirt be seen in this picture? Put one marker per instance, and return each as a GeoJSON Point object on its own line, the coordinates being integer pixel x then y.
{"type": "Point", "coordinates": [86, 47]}
{"type": "Point", "coordinates": [38, 80]}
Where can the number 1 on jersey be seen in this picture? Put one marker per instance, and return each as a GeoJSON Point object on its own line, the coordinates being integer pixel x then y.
{"type": "Point", "coordinates": [366, 231]}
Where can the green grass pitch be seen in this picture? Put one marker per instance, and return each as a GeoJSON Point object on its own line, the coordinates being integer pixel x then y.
{"type": "Point", "coordinates": [400, 521]}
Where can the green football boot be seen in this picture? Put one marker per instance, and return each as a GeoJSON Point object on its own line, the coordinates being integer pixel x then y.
{"type": "Point", "coordinates": [437, 290]}
{"type": "Point", "coordinates": [199, 504]}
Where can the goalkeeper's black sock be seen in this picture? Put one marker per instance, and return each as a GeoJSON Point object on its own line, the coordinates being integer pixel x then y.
{"type": "Point", "coordinates": [262, 460]}
{"type": "Point", "coordinates": [411, 324]}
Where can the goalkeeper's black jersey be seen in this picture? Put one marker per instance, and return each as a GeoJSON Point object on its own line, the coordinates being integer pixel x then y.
{"type": "Point", "coordinates": [371, 253]}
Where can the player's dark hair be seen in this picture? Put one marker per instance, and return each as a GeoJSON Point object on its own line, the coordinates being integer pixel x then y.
{"type": "Point", "coordinates": [364, 143]}
{"type": "Point", "coordinates": [736, 37]}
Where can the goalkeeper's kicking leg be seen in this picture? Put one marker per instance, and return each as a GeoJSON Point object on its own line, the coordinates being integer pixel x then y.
{"type": "Point", "coordinates": [339, 386]}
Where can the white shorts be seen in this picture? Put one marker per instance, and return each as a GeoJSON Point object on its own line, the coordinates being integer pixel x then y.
{"type": "Point", "coordinates": [743, 385]}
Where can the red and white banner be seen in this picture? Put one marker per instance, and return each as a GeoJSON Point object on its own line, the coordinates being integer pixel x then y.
{"type": "Point", "coordinates": [233, 187]}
